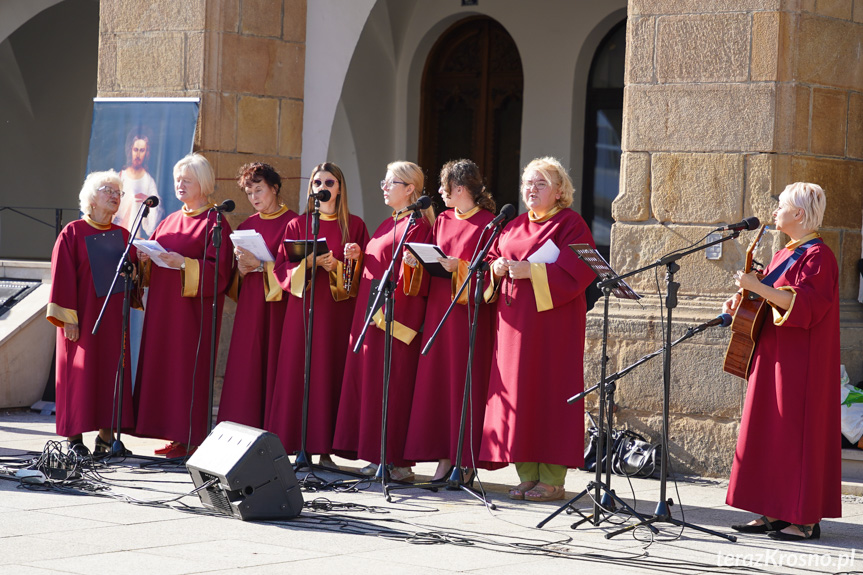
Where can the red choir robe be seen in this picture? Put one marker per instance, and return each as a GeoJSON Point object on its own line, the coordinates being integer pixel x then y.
{"type": "Point", "coordinates": [538, 355]}
{"type": "Point", "coordinates": [358, 425]}
{"type": "Point", "coordinates": [86, 369]}
{"type": "Point", "coordinates": [334, 310]}
{"type": "Point", "coordinates": [440, 384]}
{"type": "Point", "coordinates": [165, 390]}
{"type": "Point", "coordinates": [253, 358]}
{"type": "Point", "coordinates": [788, 461]}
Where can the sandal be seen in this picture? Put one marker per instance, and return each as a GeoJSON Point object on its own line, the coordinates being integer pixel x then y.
{"type": "Point", "coordinates": [518, 491]}
{"type": "Point", "coordinates": [102, 447]}
{"type": "Point", "coordinates": [764, 527]}
{"type": "Point", "coordinates": [544, 492]}
{"type": "Point", "coordinates": [403, 474]}
{"type": "Point", "coordinates": [808, 531]}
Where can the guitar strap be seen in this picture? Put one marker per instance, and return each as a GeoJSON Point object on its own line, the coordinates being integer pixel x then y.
{"type": "Point", "coordinates": [777, 273]}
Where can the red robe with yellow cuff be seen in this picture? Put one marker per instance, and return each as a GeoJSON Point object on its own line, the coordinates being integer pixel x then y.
{"type": "Point", "coordinates": [538, 355]}
{"type": "Point", "coordinates": [334, 311]}
{"type": "Point", "coordinates": [170, 381]}
{"type": "Point", "coordinates": [86, 369]}
{"type": "Point", "coordinates": [253, 357]}
{"type": "Point", "coordinates": [440, 383]}
{"type": "Point", "coordinates": [788, 461]}
{"type": "Point", "coordinates": [358, 425]}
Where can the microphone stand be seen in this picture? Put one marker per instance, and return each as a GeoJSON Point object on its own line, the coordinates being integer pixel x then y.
{"type": "Point", "coordinates": [662, 513]}
{"type": "Point", "coordinates": [386, 289]}
{"type": "Point", "coordinates": [123, 266]}
{"type": "Point", "coordinates": [477, 269]}
{"type": "Point", "coordinates": [217, 243]}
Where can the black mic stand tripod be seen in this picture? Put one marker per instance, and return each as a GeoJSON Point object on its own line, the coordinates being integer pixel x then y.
{"type": "Point", "coordinates": [386, 291]}
{"type": "Point", "coordinates": [662, 513]}
{"type": "Point", "coordinates": [477, 269]}
{"type": "Point", "coordinates": [605, 500]}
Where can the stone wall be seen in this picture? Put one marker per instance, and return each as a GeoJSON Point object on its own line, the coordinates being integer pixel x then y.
{"type": "Point", "coordinates": [726, 102]}
{"type": "Point", "coordinates": [245, 59]}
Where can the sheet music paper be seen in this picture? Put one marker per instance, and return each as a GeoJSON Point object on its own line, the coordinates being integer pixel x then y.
{"type": "Point", "coordinates": [547, 254]}
{"type": "Point", "coordinates": [603, 270]}
{"type": "Point", "coordinates": [252, 242]}
{"type": "Point", "coordinates": [427, 255]}
{"type": "Point", "coordinates": [296, 249]}
{"type": "Point", "coordinates": [153, 249]}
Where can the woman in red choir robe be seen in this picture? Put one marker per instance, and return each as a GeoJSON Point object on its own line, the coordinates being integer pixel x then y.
{"type": "Point", "coordinates": [334, 309]}
{"type": "Point", "coordinates": [252, 360]}
{"type": "Point", "coordinates": [358, 426]}
{"type": "Point", "coordinates": [539, 351]}
{"type": "Point", "coordinates": [788, 463]}
{"type": "Point", "coordinates": [87, 363]}
{"type": "Point", "coordinates": [436, 413]}
{"type": "Point", "coordinates": [172, 387]}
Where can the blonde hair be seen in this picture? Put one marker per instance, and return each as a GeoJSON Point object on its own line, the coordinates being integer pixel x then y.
{"type": "Point", "coordinates": [553, 171]}
{"type": "Point", "coordinates": [342, 211]}
{"type": "Point", "coordinates": [92, 183]}
{"type": "Point", "coordinates": [808, 197]}
{"type": "Point", "coordinates": [201, 169]}
{"type": "Point", "coordinates": [412, 174]}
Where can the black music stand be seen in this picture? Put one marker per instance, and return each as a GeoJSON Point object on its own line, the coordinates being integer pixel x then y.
{"type": "Point", "coordinates": [604, 497]}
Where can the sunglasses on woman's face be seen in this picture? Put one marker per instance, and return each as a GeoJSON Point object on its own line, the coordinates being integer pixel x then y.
{"type": "Point", "coordinates": [327, 183]}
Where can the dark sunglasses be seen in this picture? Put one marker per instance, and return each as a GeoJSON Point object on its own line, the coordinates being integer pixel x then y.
{"type": "Point", "coordinates": [327, 183]}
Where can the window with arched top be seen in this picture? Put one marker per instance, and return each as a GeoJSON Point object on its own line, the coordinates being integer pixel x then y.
{"type": "Point", "coordinates": [471, 106]}
{"type": "Point", "coordinates": [602, 134]}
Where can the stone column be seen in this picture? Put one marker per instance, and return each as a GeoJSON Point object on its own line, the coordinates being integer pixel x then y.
{"type": "Point", "coordinates": [726, 102]}
{"type": "Point", "coordinates": [245, 59]}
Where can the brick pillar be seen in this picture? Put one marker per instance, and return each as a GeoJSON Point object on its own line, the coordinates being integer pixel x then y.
{"type": "Point", "coordinates": [725, 104]}
{"type": "Point", "coordinates": [245, 59]}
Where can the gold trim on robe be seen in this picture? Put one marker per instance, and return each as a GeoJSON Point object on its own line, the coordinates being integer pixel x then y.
{"type": "Point", "coordinates": [400, 331]}
{"type": "Point", "coordinates": [780, 316]}
{"type": "Point", "coordinates": [541, 291]}
{"type": "Point", "coordinates": [413, 279]}
{"type": "Point", "coordinates": [458, 277]}
{"type": "Point", "coordinates": [466, 215]}
{"type": "Point", "coordinates": [329, 217]}
{"type": "Point", "coordinates": [282, 209]}
{"type": "Point", "coordinates": [96, 224]}
{"type": "Point", "coordinates": [272, 289]}
{"type": "Point", "coordinates": [234, 288]}
{"type": "Point", "coordinates": [538, 220]}
{"type": "Point", "coordinates": [337, 280]}
{"type": "Point", "coordinates": [794, 245]}
{"type": "Point", "coordinates": [491, 293]}
{"type": "Point", "coordinates": [60, 316]}
{"type": "Point", "coordinates": [198, 212]}
{"type": "Point", "coordinates": [190, 277]}
{"type": "Point", "coordinates": [298, 280]}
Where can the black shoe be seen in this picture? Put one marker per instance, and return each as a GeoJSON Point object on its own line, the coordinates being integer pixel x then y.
{"type": "Point", "coordinates": [813, 532]}
{"type": "Point", "coordinates": [467, 477]}
{"type": "Point", "coordinates": [77, 447]}
{"type": "Point", "coordinates": [102, 447]}
{"type": "Point", "coordinates": [764, 527]}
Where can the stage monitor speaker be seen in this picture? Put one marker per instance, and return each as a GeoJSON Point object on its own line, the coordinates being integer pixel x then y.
{"type": "Point", "coordinates": [247, 473]}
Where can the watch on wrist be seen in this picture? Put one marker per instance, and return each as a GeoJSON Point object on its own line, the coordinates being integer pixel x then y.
{"type": "Point", "coordinates": [260, 267]}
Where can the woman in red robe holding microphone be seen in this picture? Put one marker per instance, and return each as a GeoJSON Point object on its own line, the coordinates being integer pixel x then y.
{"type": "Point", "coordinates": [253, 358]}
{"type": "Point", "coordinates": [335, 299]}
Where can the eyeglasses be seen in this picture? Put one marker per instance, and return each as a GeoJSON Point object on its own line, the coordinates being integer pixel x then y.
{"type": "Point", "coordinates": [385, 184]}
{"type": "Point", "coordinates": [109, 191]}
{"type": "Point", "coordinates": [327, 183]}
{"type": "Point", "coordinates": [540, 185]}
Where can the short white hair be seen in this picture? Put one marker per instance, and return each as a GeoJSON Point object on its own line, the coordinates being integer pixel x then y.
{"type": "Point", "coordinates": [201, 169]}
{"type": "Point", "coordinates": [808, 197]}
{"type": "Point", "coordinates": [92, 183]}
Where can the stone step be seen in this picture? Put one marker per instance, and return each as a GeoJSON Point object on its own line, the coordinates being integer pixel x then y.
{"type": "Point", "coordinates": [852, 472]}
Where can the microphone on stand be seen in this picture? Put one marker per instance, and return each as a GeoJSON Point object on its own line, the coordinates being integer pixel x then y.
{"type": "Point", "coordinates": [153, 201]}
{"type": "Point", "coordinates": [505, 215]}
{"type": "Point", "coordinates": [747, 224]}
{"type": "Point", "coordinates": [322, 195]}
{"type": "Point", "coordinates": [226, 206]}
{"type": "Point", "coordinates": [722, 320]}
{"type": "Point", "coordinates": [424, 202]}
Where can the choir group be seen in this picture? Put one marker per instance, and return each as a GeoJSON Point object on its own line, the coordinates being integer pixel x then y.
{"type": "Point", "coordinates": [528, 351]}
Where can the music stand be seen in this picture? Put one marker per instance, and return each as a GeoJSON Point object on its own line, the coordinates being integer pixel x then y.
{"type": "Point", "coordinates": [604, 497]}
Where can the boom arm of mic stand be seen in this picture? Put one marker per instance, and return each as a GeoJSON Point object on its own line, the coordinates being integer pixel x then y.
{"type": "Point", "coordinates": [145, 209]}
{"type": "Point", "coordinates": [615, 376]}
{"type": "Point", "coordinates": [472, 271]}
{"type": "Point", "coordinates": [384, 279]}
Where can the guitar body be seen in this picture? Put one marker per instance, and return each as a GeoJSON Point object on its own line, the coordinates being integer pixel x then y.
{"type": "Point", "coordinates": [748, 319]}
{"type": "Point", "coordinates": [745, 330]}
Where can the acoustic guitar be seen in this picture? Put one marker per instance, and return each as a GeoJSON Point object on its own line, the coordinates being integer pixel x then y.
{"type": "Point", "coordinates": [748, 319]}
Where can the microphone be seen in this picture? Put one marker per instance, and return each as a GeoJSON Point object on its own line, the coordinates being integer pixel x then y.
{"type": "Point", "coordinates": [722, 320]}
{"type": "Point", "coordinates": [424, 202]}
{"type": "Point", "coordinates": [746, 224]}
{"type": "Point", "coordinates": [322, 195]}
{"type": "Point", "coordinates": [506, 214]}
{"type": "Point", "coordinates": [226, 206]}
{"type": "Point", "coordinates": [152, 201]}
